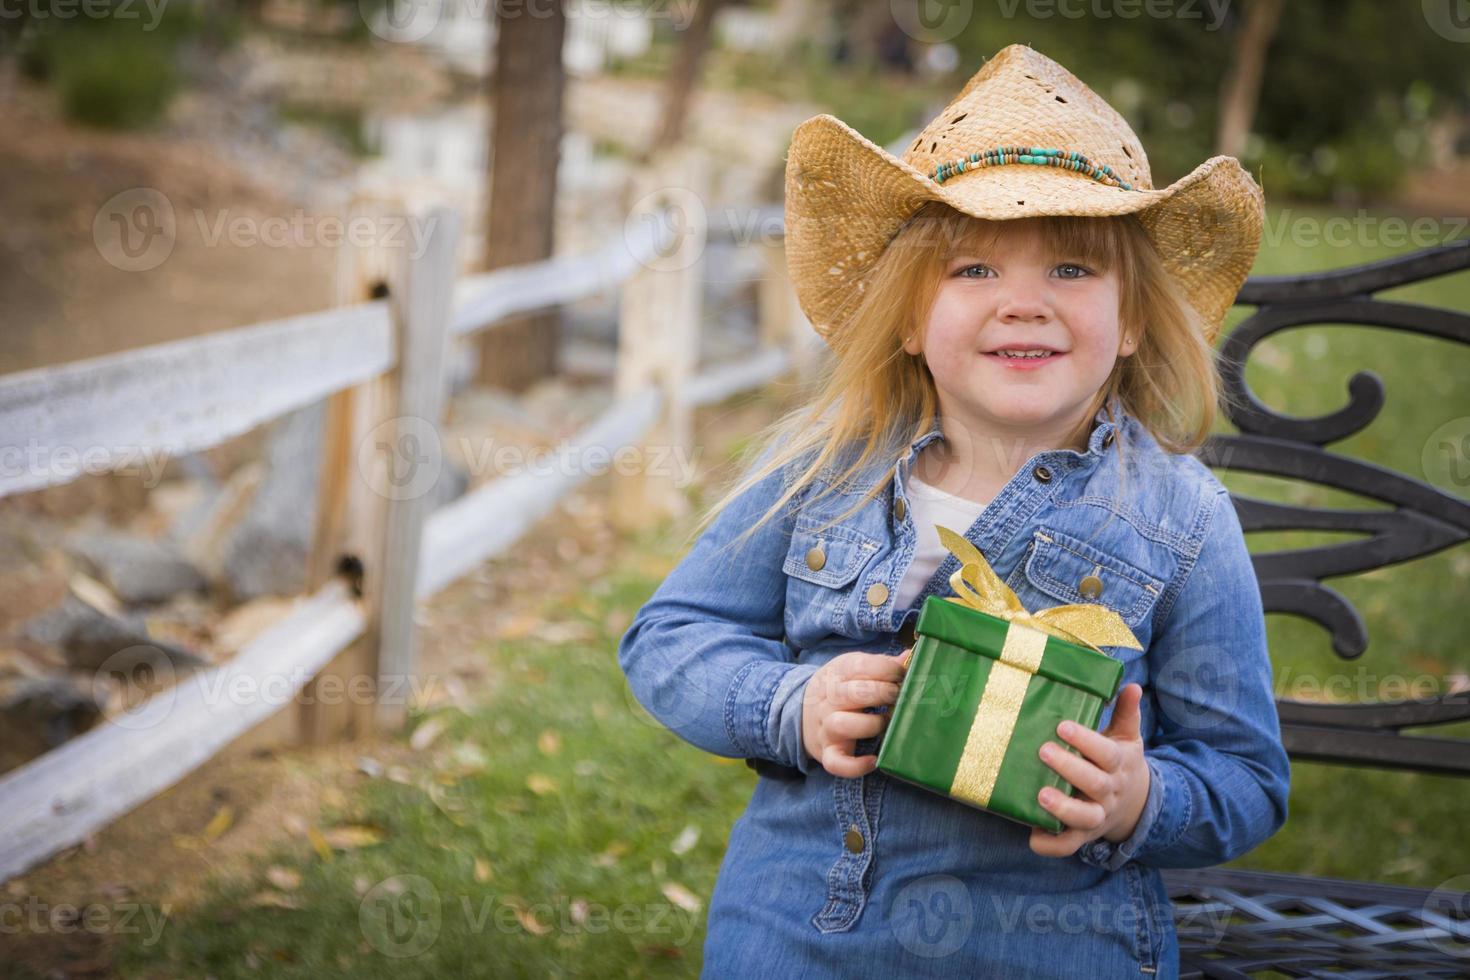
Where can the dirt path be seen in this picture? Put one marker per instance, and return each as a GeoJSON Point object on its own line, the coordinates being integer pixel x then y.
{"type": "Point", "coordinates": [65, 300]}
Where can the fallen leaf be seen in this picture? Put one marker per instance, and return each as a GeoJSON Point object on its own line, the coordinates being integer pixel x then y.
{"type": "Point", "coordinates": [483, 873]}
{"type": "Point", "coordinates": [610, 855]}
{"type": "Point", "coordinates": [274, 899]}
{"type": "Point", "coordinates": [519, 626]}
{"type": "Point", "coordinates": [549, 742]}
{"type": "Point", "coordinates": [687, 838]}
{"type": "Point", "coordinates": [540, 784]}
{"type": "Point", "coordinates": [319, 843]}
{"type": "Point", "coordinates": [223, 818]}
{"type": "Point", "coordinates": [94, 594]}
{"type": "Point", "coordinates": [352, 836]}
{"type": "Point", "coordinates": [423, 736]}
{"type": "Point", "coordinates": [681, 896]}
{"type": "Point", "coordinates": [285, 879]}
{"type": "Point", "coordinates": [529, 922]}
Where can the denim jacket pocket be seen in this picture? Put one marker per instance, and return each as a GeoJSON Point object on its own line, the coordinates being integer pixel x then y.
{"type": "Point", "coordinates": [821, 564]}
{"type": "Point", "coordinates": [1059, 566]}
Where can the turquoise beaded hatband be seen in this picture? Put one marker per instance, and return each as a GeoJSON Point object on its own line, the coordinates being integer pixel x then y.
{"type": "Point", "coordinates": [1036, 156]}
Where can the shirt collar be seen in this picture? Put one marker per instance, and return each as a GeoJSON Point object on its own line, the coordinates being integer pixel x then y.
{"type": "Point", "coordinates": [1102, 437]}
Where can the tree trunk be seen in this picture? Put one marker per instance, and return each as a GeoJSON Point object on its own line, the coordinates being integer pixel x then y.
{"type": "Point", "coordinates": [685, 74]}
{"type": "Point", "coordinates": [1241, 88]}
{"type": "Point", "coordinates": [526, 98]}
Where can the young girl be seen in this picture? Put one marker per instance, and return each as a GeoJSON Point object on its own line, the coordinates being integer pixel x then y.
{"type": "Point", "coordinates": [1023, 334]}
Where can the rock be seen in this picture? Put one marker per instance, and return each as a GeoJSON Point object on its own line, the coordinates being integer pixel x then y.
{"type": "Point", "coordinates": [138, 570]}
{"type": "Point", "coordinates": [90, 638]}
{"type": "Point", "coordinates": [204, 533]}
{"type": "Point", "coordinates": [269, 548]}
{"type": "Point", "coordinates": [63, 704]}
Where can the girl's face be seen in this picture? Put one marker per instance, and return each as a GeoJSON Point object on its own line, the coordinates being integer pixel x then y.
{"type": "Point", "coordinates": [1020, 297]}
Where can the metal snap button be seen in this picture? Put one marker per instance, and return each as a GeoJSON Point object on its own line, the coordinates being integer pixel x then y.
{"type": "Point", "coordinates": [900, 509]}
{"type": "Point", "coordinates": [877, 594]}
{"type": "Point", "coordinates": [1042, 473]}
{"type": "Point", "coordinates": [1108, 438]}
{"type": "Point", "coordinates": [816, 558]}
{"type": "Point", "coordinates": [853, 839]}
{"type": "Point", "coordinates": [1091, 585]}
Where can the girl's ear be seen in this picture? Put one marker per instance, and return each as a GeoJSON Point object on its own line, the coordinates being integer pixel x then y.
{"type": "Point", "coordinates": [911, 344]}
{"type": "Point", "coordinates": [1128, 346]}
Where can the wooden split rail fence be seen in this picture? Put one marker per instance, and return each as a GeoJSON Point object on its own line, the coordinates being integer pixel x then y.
{"type": "Point", "coordinates": [378, 359]}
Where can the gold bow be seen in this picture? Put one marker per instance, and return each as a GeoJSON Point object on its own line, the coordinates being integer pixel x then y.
{"type": "Point", "coordinates": [977, 586]}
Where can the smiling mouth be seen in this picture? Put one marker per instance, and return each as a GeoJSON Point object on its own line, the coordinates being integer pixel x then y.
{"type": "Point", "coordinates": [1034, 355]}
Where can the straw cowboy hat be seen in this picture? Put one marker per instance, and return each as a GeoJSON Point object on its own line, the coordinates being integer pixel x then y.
{"type": "Point", "coordinates": [1024, 137]}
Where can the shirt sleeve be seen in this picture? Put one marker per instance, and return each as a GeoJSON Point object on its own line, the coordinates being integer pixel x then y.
{"type": "Point", "coordinates": [1218, 773]}
{"type": "Point", "coordinates": [706, 655]}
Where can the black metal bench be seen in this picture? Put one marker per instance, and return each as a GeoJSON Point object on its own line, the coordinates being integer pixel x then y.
{"type": "Point", "coordinates": [1245, 923]}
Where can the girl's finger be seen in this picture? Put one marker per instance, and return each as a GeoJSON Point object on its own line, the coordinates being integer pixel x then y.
{"type": "Point", "coordinates": [853, 724]}
{"type": "Point", "coordinates": [875, 666]}
{"type": "Point", "coordinates": [1127, 718]}
{"type": "Point", "coordinates": [1083, 815]}
{"type": "Point", "coordinates": [862, 692]}
{"type": "Point", "coordinates": [1047, 844]}
{"type": "Point", "coordinates": [1097, 747]}
{"type": "Point", "coordinates": [837, 758]}
{"type": "Point", "coordinates": [1076, 770]}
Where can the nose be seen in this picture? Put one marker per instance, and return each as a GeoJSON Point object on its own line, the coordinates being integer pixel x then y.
{"type": "Point", "coordinates": [1024, 300]}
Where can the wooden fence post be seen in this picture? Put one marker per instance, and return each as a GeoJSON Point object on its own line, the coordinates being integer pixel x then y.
{"type": "Point", "coordinates": [421, 314]}
{"type": "Point", "coordinates": [783, 323]}
{"type": "Point", "coordinates": [660, 318]}
{"type": "Point", "coordinates": [380, 460]}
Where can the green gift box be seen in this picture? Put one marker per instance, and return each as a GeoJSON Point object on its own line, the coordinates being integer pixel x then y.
{"type": "Point", "coordinates": [987, 684]}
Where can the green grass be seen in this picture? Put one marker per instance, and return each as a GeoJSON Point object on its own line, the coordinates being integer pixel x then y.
{"type": "Point", "coordinates": [622, 789]}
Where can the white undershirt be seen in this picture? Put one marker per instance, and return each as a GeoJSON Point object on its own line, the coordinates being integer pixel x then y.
{"type": "Point", "coordinates": [929, 506]}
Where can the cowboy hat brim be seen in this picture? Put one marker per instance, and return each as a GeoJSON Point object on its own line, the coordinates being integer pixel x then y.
{"type": "Point", "coordinates": [846, 197]}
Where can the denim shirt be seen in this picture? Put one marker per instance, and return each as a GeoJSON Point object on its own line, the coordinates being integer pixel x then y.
{"type": "Point", "coordinates": [722, 651]}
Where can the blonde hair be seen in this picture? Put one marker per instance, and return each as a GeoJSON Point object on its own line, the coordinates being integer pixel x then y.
{"type": "Point", "coordinates": [876, 396]}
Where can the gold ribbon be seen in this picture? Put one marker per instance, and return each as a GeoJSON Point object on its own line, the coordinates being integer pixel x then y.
{"type": "Point", "coordinates": [978, 587]}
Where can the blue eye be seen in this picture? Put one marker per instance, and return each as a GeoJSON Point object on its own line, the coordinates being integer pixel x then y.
{"type": "Point", "coordinates": [1071, 265]}
{"type": "Point", "coordinates": [967, 268]}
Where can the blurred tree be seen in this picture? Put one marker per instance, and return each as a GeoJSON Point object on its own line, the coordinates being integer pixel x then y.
{"type": "Point", "coordinates": [1241, 90]}
{"type": "Point", "coordinates": [684, 76]}
{"type": "Point", "coordinates": [526, 88]}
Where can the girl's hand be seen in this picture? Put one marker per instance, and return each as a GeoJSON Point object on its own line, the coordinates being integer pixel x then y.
{"type": "Point", "coordinates": [832, 719]}
{"type": "Point", "coordinates": [1110, 778]}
